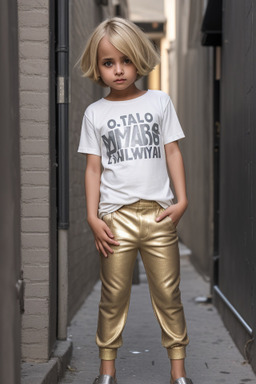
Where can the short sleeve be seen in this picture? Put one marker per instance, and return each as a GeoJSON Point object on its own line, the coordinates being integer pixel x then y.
{"type": "Point", "coordinates": [89, 141]}
{"type": "Point", "coordinates": [172, 130]}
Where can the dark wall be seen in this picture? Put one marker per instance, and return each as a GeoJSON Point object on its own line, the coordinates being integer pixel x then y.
{"type": "Point", "coordinates": [237, 265]}
{"type": "Point", "coordinates": [9, 196]}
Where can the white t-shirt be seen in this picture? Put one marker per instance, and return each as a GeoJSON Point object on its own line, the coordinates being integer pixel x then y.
{"type": "Point", "coordinates": [130, 137]}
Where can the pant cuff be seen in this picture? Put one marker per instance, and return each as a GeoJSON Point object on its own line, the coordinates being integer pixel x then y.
{"type": "Point", "coordinates": [176, 353]}
{"type": "Point", "coordinates": [107, 354]}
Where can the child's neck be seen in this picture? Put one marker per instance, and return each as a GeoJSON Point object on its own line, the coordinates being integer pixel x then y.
{"type": "Point", "coordinates": [126, 94]}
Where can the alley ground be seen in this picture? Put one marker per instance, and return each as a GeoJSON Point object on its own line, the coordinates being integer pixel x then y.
{"type": "Point", "coordinates": [212, 356]}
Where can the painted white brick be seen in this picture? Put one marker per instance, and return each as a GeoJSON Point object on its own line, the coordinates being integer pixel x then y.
{"type": "Point", "coordinates": [34, 18]}
{"type": "Point", "coordinates": [34, 321]}
{"type": "Point", "coordinates": [33, 50]}
{"type": "Point", "coordinates": [34, 335]}
{"type": "Point", "coordinates": [34, 147]}
{"type": "Point", "coordinates": [34, 83]}
{"type": "Point", "coordinates": [33, 99]}
{"type": "Point", "coordinates": [34, 66]}
{"type": "Point", "coordinates": [35, 210]}
{"type": "Point", "coordinates": [40, 290]}
{"type": "Point", "coordinates": [25, 5]}
{"type": "Point", "coordinates": [34, 114]}
{"type": "Point", "coordinates": [34, 162]}
{"type": "Point", "coordinates": [35, 256]}
{"type": "Point", "coordinates": [35, 224]}
{"type": "Point", "coordinates": [35, 178]}
{"type": "Point", "coordinates": [36, 306]}
{"type": "Point", "coordinates": [34, 352]}
{"type": "Point", "coordinates": [34, 34]}
{"type": "Point", "coordinates": [35, 240]}
{"type": "Point", "coordinates": [35, 194]}
{"type": "Point", "coordinates": [31, 146]}
{"type": "Point", "coordinates": [34, 131]}
{"type": "Point", "coordinates": [38, 273]}
{"type": "Point", "coordinates": [30, 130]}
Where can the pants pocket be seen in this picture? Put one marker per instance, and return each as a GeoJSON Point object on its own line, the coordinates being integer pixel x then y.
{"type": "Point", "coordinates": [108, 219]}
{"type": "Point", "coordinates": [168, 219]}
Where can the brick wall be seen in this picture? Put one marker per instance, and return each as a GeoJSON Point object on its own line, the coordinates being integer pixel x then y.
{"type": "Point", "coordinates": [35, 175]}
{"type": "Point", "coordinates": [38, 188]}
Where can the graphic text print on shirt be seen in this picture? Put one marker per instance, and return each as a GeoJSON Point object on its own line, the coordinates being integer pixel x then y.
{"type": "Point", "coordinates": [133, 137]}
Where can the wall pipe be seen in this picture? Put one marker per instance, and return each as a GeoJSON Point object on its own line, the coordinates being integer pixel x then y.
{"type": "Point", "coordinates": [62, 58]}
{"type": "Point", "coordinates": [62, 51]}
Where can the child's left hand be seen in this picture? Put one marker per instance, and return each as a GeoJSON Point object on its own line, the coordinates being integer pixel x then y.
{"type": "Point", "coordinates": [174, 211]}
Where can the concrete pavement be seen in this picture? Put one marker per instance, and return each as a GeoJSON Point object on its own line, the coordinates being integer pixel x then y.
{"type": "Point", "coordinates": [212, 356]}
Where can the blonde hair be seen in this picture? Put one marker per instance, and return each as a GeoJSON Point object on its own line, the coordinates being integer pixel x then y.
{"type": "Point", "coordinates": [127, 38]}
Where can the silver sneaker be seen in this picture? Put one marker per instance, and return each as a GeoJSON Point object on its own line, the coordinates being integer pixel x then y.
{"type": "Point", "coordinates": [104, 379]}
{"type": "Point", "coordinates": [183, 380]}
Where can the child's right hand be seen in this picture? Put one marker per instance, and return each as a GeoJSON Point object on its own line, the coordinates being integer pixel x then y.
{"type": "Point", "coordinates": [102, 235]}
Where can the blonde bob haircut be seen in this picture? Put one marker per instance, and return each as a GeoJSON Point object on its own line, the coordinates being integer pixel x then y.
{"type": "Point", "coordinates": [127, 38]}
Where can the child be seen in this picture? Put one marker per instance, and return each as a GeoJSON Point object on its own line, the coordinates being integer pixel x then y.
{"type": "Point", "coordinates": [131, 141]}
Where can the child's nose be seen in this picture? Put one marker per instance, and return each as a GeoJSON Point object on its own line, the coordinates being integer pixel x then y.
{"type": "Point", "coordinates": [119, 68]}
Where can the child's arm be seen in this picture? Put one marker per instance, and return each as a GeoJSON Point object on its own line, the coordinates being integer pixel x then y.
{"type": "Point", "coordinates": [102, 234]}
{"type": "Point", "coordinates": [177, 173]}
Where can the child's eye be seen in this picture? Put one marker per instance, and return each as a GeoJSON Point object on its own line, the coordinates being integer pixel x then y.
{"type": "Point", "coordinates": [127, 61]}
{"type": "Point", "coordinates": [107, 64]}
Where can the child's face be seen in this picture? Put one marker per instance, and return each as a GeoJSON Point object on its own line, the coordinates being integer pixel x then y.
{"type": "Point", "coordinates": [115, 69]}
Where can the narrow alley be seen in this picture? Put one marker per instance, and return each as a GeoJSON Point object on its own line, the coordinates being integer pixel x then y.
{"type": "Point", "coordinates": [49, 265]}
{"type": "Point", "coordinates": [212, 356]}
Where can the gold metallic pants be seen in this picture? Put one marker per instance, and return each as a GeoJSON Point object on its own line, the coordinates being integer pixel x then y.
{"type": "Point", "coordinates": [135, 228]}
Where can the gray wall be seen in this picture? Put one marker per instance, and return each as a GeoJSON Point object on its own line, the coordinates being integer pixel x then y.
{"type": "Point", "coordinates": [83, 257]}
{"type": "Point", "coordinates": [194, 107]}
